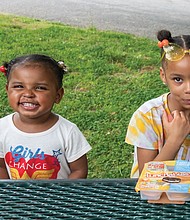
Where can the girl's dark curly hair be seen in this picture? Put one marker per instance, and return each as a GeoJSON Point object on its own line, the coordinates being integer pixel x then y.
{"type": "Point", "coordinates": [57, 67]}
{"type": "Point", "coordinates": [182, 40]}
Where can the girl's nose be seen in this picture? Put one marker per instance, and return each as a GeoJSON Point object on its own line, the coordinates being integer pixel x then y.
{"type": "Point", "coordinates": [28, 93]}
{"type": "Point", "coordinates": [187, 88]}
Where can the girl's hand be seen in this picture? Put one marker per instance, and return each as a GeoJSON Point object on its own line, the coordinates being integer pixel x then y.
{"type": "Point", "coordinates": [176, 126]}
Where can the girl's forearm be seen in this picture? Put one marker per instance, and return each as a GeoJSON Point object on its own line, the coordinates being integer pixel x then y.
{"type": "Point", "coordinates": [78, 175]}
{"type": "Point", "coordinates": [3, 173]}
{"type": "Point", "coordinates": [169, 150]}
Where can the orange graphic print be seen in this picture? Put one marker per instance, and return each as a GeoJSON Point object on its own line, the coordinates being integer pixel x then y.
{"type": "Point", "coordinates": [35, 168]}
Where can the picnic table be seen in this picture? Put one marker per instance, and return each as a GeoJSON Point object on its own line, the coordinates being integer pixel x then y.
{"type": "Point", "coordinates": [81, 199]}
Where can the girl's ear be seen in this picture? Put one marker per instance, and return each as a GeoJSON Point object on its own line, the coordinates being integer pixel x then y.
{"type": "Point", "coordinates": [6, 87]}
{"type": "Point", "coordinates": [163, 75]}
{"type": "Point", "coordinates": [59, 95]}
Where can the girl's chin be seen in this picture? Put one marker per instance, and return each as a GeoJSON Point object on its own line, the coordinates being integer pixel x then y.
{"type": "Point", "coordinates": [28, 114]}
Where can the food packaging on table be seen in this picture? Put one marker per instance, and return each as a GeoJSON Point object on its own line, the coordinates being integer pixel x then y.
{"type": "Point", "coordinates": [169, 177]}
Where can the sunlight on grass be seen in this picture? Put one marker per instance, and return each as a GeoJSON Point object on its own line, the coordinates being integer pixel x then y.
{"type": "Point", "coordinates": [110, 75]}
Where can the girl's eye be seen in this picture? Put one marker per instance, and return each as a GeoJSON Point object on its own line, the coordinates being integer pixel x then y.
{"type": "Point", "coordinates": [177, 79]}
{"type": "Point", "coordinates": [41, 88]}
{"type": "Point", "coordinates": [18, 86]}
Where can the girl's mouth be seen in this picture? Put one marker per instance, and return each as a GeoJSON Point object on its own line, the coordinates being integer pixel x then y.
{"type": "Point", "coordinates": [186, 101]}
{"type": "Point", "coordinates": [29, 105]}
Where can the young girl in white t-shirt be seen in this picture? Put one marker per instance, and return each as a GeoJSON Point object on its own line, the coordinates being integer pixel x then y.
{"type": "Point", "coordinates": [36, 143]}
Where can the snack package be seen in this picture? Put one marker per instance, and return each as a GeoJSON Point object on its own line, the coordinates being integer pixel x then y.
{"type": "Point", "coordinates": [169, 177]}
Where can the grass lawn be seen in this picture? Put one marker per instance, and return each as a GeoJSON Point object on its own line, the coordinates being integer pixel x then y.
{"type": "Point", "coordinates": [110, 75]}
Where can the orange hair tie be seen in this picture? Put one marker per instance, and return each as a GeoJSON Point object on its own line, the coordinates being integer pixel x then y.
{"type": "Point", "coordinates": [163, 43]}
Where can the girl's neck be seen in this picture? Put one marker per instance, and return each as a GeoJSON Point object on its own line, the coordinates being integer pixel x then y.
{"type": "Point", "coordinates": [34, 125]}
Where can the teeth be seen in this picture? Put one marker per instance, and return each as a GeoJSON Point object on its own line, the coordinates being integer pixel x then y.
{"type": "Point", "coordinates": [26, 104]}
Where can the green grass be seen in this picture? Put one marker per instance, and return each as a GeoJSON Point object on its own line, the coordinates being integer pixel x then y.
{"type": "Point", "coordinates": [110, 75]}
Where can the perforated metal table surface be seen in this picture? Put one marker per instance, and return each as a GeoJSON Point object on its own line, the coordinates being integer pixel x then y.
{"type": "Point", "coordinates": [81, 199]}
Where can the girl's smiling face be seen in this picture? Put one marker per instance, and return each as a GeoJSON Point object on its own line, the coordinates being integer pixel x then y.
{"type": "Point", "coordinates": [32, 91]}
{"type": "Point", "coordinates": [176, 74]}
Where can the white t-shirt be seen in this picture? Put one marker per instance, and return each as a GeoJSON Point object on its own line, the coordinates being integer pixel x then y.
{"type": "Point", "coordinates": [43, 155]}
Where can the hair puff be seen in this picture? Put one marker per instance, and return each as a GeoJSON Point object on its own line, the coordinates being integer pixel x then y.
{"type": "Point", "coordinates": [164, 34]}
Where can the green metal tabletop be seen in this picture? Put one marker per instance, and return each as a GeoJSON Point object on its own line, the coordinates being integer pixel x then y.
{"type": "Point", "coordinates": [81, 199]}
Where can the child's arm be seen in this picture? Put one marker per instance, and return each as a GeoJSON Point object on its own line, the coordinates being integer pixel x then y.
{"type": "Point", "coordinates": [144, 156]}
{"type": "Point", "coordinates": [176, 130]}
{"type": "Point", "coordinates": [79, 168]}
{"type": "Point", "coordinates": [3, 170]}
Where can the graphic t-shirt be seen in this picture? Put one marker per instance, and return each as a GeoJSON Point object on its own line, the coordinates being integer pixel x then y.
{"type": "Point", "coordinates": [43, 155]}
{"type": "Point", "coordinates": [145, 130]}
